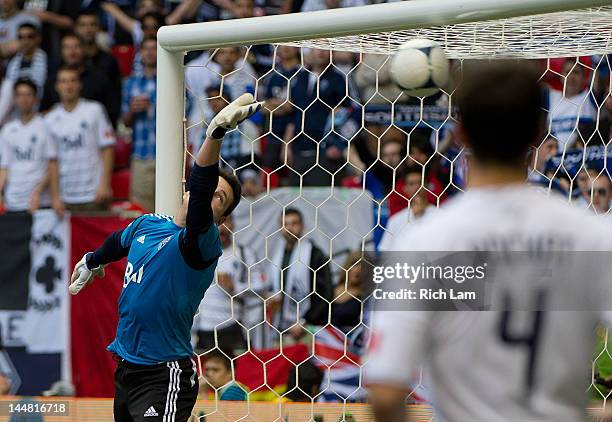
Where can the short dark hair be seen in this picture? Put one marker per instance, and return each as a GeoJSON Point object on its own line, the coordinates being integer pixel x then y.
{"type": "Point", "coordinates": [234, 183]}
{"type": "Point", "coordinates": [149, 38]}
{"type": "Point", "coordinates": [224, 356]}
{"type": "Point", "coordinates": [500, 109]}
{"type": "Point", "coordinates": [159, 18]}
{"type": "Point", "coordinates": [294, 211]}
{"type": "Point", "coordinates": [29, 25]}
{"type": "Point", "coordinates": [25, 81]}
{"type": "Point", "coordinates": [67, 67]}
{"type": "Point", "coordinates": [88, 12]}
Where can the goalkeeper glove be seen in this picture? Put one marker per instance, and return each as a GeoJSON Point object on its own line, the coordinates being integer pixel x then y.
{"type": "Point", "coordinates": [234, 113]}
{"type": "Point", "coordinates": [82, 275]}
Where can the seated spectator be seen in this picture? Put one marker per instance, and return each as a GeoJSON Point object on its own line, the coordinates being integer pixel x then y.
{"type": "Point", "coordinates": [573, 105]}
{"type": "Point", "coordinates": [138, 112]}
{"type": "Point", "coordinates": [82, 143]}
{"type": "Point", "coordinates": [230, 303]}
{"type": "Point", "coordinates": [240, 146]}
{"type": "Point", "coordinates": [298, 264]}
{"type": "Point", "coordinates": [11, 19]}
{"type": "Point", "coordinates": [25, 151]}
{"type": "Point", "coordinates": [30, 62]}
{"type": "Point", "coordinates": [417, 208]}
{"type": "Point", "coordinates": [303, 383]}
{"type": "Point", "coordinates": [95, 84]}
{"type": "Point", "coordinates": [218, 374]}
{"type": "Point", "coordinates": [346, 308]}
{"type": "Point", "coordinates": [88, 29]}
{"type": "Point", "coordinates": [582, 198]}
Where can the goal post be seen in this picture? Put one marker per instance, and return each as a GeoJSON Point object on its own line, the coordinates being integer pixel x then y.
{"type": "Point", "coordinates": [174, 41]}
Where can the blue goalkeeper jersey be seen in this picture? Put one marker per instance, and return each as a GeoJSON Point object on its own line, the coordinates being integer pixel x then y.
{"type": "Point", "coordinates": [161, 292]}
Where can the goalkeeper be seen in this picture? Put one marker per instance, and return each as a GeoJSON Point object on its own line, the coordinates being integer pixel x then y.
{"type": "Point", "coordinates": [170, 264]}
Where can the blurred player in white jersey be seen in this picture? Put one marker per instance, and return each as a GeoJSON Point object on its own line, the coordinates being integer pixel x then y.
{"type": "Point", "coordinates": [477, 371]}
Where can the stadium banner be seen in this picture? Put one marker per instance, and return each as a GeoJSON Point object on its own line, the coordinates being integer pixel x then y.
{"type": "Point", "coordinates": [34, 302]}
{"type": "Point", "coordinates": [94, 310]}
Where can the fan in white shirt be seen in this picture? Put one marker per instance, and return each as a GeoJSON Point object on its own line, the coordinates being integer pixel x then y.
{"type": "Point", "coordinates": [477, 372]}
{"type": "Point", "coordinates": [571, 106]}
{"type": "Point", "coordinates": [82, 143]}
{"type": "Point", "coordinates": [24, 155]}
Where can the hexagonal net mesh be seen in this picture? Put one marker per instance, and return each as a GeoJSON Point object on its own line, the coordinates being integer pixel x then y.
{"type": "Point", "coordinates": [337, 163]}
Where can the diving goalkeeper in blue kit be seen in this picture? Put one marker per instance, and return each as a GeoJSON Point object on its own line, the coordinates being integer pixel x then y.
{"type": "Point", "coordinates": [170, 264]}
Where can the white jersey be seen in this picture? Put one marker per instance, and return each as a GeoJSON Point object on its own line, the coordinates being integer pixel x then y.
{"type": "Point", "coordinates": [24, 152]}
{"type": "Point", "coordinates": [565, 113]}
{"type": "Point", "coordinates": [476, 375]}
{"type": "Point", "coordinates": [220, 309]}
{"type": "Point", "coordinates": [77, 138]}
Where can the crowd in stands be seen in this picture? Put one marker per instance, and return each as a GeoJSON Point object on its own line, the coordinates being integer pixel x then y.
{"type": "Point", "coordinates": [77, 132]}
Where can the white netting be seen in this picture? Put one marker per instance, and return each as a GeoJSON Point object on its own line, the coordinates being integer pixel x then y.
{"type": "Point", "coordinates": [580, 32]}
{"type": "Point", "coordinates": [360, 160]}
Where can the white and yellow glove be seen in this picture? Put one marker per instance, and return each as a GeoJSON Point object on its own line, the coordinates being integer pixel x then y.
{"type": "Point", "coordinates": [82, 276]}
{"type": "Point", "coordinates": [232, 114]}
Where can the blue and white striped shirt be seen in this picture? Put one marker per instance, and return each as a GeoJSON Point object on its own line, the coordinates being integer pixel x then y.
{"type": "Point", "coordinates": [35, 69]}
{"type": "Point", "coordinates": [143, 128]}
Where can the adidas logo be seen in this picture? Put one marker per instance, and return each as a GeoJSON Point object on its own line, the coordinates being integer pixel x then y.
{"type": "Point", "coordinates": [141, 239]}
{"type": "Point", "coordinates": [150, 412]}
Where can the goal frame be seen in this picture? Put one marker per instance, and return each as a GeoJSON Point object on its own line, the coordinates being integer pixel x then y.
{"type": "Point", "coordinates": [173, 41]}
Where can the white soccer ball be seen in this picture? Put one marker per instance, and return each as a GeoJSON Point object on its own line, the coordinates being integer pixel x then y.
{"type": "Point", "coordinates": [419, 67]}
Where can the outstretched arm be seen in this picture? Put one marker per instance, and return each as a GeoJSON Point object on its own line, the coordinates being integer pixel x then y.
{"type": "Point", "coordinates": [205, 178]}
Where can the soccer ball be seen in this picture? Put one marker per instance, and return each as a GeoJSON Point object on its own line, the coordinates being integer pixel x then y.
{"type": "Point", "coordinates": [419, 67]}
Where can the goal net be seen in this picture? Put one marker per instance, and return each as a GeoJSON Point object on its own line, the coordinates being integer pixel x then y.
{"type": "Point", "coordinates": [338, 161]}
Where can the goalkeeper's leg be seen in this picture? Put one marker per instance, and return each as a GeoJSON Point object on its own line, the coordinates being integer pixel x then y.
{"type": "Point", "coordinates": [156, 393]}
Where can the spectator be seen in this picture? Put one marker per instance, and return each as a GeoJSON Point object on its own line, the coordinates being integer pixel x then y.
{"type": "Point", "coordinates": [57, 17]}
{"type": "Point", "coordinates": [315, 92]}
{"type": "Point", "coordinates": [88, 28]}
{"type": "Point", "coordinates": [251, 183]}
{"type": "Point", "coordinates": [304, 383]}
{"type": "Point", "coordinates": [572, 106]}
{"type": "Point", "coordinates": [11, 18]}
{"type": "Point", "coordinates": [218, 374]}
{"type": "Point", "coordinates": [278, 106]}
{"type": "Point", "coordinates": [241, 146]}
{"type": "Point", "coordinates": [346, 309]}
{"type": "Point", "coordinates": [423, 162]}
{"type": "Point", "coordinates": [225, 69]}
{"type": "Point", "coordinates": [542, 153]}
{"type": "Point", "coordinates": [397, 223]}
{"type": "Point", "coordinates": [30, 62]}
{"type": "Point", "coordinates": [304, 272]}
{"type": "Point", "coordinates": [582, 198]}
{"type": "Point", "coordinates": [82, 140]}
{"type": "Point", "coordinates": [139, 99]}
{"type": "Point", "coordinates": [5, 384]}
{"type": "Point", "coordinates": [95, 84]}
{"type": "Point", "coordinates": [25, 151]}
{"type": "Point", "coordinates": [601, 191]}
{"type": "Point", "coordinates": [231, 303]}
